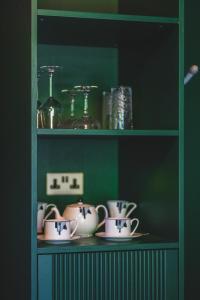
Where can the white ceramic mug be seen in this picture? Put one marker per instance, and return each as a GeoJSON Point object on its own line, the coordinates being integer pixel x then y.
{"type": "Point", "coordinates": [41, 210]}
{"type": "Point", "coordinates": [120, 227]}
{"type": "Point", "coordinates": [120, 208]}
{"type": "Point", "coordinates": [55, 229]}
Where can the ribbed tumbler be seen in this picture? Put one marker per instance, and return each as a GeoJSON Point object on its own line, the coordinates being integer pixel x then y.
{"type": "Point", "coordinates": [122, 115]}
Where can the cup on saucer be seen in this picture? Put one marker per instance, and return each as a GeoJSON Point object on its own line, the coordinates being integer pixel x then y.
{"type": "Point", "coordinates": [120, 227]}
{"type": "Point", "coordinates": [55, 229]}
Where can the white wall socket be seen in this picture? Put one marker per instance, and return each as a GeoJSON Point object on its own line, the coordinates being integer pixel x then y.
{"type": "Point", "coordinates": [64, 184]}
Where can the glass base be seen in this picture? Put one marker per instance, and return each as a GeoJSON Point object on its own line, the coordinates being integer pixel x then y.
{"type": "Point", "coordinates": [86, 122]}
{"type": "Point", "coordinates": [50, 113]}
{"type": "Point", "coordinates": [85, 235]}
{"type": "Point", "coordinates": [67, 124]}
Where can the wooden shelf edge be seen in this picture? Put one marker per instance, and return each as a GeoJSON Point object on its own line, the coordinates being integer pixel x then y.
{"type": "Point", "coordinates": [90, 132]}
{"type": "Point", "coordinates": [96, 245]}
{"type": "Point", "coordinates": [106, 16]}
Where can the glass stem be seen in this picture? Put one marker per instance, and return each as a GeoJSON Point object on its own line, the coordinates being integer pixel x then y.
{"type": "Point", "coordinates": [50, 84]}
{"type": "Point", "coordinates": [37, 90]}
{"type": "Point", "coordinates": [72, 107]}
{"type": "Point", "coordinates": [86, 104]}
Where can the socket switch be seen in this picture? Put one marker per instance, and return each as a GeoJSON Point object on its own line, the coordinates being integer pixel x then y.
{"type": "Point", "coordinates": [64, 184]}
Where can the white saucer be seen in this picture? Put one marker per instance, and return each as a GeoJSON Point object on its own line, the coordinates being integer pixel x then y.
{"type": "Point", "coordinates": [120, 238]}
{"type": "Point", "coordinates": [57, 242]}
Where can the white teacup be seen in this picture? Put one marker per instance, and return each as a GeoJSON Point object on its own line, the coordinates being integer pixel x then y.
{"type": "Point", "coordinates": [55, 229]}
{"type": "Point", "coordinates": [120, 227]}
{"type": "Point", "coordinates": [119, 208]}
{"type": "Point", "coordinates": [41, 210]}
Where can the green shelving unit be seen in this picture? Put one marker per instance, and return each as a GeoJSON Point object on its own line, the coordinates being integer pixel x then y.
{"type": "Point", "coordinates": [142, 44]}
{"type": "Point", "coordinates": [141, 165]}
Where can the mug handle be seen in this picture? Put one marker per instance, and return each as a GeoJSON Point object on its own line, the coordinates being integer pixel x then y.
{"type": "Point", "coordinates": [49, 213]}
{"type": "Point", "coordinates": [106, 215]}
{"type": "Point", "coordinates": [50, 205]}
{"type": "Point", "coordinates": [137, 223]}
{"type": "Point", "coordinates": [132, 209]}
{"type": "Point", "coordinates": [72, 233]}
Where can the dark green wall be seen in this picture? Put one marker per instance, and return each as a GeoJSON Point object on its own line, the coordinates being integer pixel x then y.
{"type": "Point", "coordinates": [77, 5]}
{"type": "Point", "coordinates": [149, 176]}
{"type": "Point", "coordinates": [192, 150]}
{"type": "Point", "coordinates": [149, 66]}
{"type": "Point", "coordinates": [138, 7]}
{"type": "Point", "coordinates": [16, 117]}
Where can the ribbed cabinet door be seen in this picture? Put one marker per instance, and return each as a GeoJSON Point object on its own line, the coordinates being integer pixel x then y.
{"type": "Point", "coordinates": [118, 275]}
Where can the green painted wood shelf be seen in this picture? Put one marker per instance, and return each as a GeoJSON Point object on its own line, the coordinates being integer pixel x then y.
{"type": "Point", "coordinates": [106, 16]}
{"type": "Point", "coordinates": [101, 29]}
{"type": "Point", "coordinates": [94, 244]}
{"type": "Point", "coordinates": [121, 133]}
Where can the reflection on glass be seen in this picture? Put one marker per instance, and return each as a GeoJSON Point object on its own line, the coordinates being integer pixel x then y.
{"type": "Point", "coordinates": [69, 123]}
{"type": "Point", "coordinates": [122, 108]}
{"type": "Point", "coordinates": [40, 117]}
{"type": "Point", "coordinates": [107, 110]}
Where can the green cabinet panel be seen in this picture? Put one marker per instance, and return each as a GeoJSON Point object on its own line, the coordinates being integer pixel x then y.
{"type": "Point", "coordinates": [192, 150]}
{"type": "Point", "coordinates": [114, 275]}
{"type": "Point", "coordinates": [45, 280]}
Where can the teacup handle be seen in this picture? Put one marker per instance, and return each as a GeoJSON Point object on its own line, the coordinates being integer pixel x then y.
{"type": "Point", "coordinates": [132, 209]}
{"type": "Point", "coordinates": [137, 223]}
{"type": "Point", "coordinates": [106, 215]}
{"type": "Point", "coordinates": [49, 205]}
{"type": "Point", "coordinates": [73, 232]}
{"type": "Point", "coordinates": [49, 213]}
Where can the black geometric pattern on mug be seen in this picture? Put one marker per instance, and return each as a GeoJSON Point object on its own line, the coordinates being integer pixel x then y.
{"type": "Point", "coordinates": [84, 211]}
{"type": "Point", "coordinates": [120, 206]}
{"type": "Point", "coordinates": [120, 224]}
{"type": "Point", "coordinates": [60, 226]}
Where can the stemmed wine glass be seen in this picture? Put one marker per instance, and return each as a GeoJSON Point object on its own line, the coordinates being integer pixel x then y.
{"type": "Point", "coordinates": [51, 108]}
{"type": "Point", "coordinates": [86, 121]}
{"type": "Point", "coordinates": [72, 94]}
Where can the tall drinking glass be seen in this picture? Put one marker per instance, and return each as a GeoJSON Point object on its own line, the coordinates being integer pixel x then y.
{"type": "Point", "coordinates": [122, 114]}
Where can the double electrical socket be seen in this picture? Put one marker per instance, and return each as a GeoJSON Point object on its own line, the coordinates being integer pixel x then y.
{"type": "Point", "coordinates": [64, 184]}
